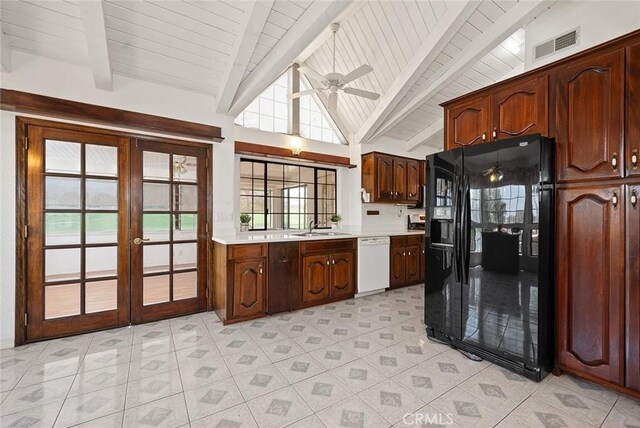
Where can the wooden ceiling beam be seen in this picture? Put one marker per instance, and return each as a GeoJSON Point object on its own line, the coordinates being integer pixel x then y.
{"type": "Point", "coordinates": [312, 22]}
{"type": "Point", "coordinates": [454, 18]}
{"type": "Point", "coordinates": [516, 17]}
{"type": "Point", "coordinates": [95, 30]}
{"type": "Point", "coordinates": [256, 17]}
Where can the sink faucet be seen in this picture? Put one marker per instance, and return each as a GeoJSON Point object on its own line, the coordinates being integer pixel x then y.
{"type": "Point", "coordinates": [312, 225]}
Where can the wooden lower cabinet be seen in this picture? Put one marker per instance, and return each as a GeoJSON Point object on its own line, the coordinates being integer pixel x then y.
{"type": "Point", "coordinates": [590, 301]}
{"type": "Point", "coordinates": [316, 278]}
{"type": "Point", "coordinates": [406, 264]}
{"type": "Point", "coordinates": [342, 275]}
{"type": "Point", "coordinates": [283, 287]}
{"type": "Point", "coordinates": [248, 288]}
{"type": "Point", "coordinates": [632, 285]}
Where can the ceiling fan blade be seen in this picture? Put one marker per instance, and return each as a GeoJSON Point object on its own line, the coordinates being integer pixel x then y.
{"type": "Point", "coordinates": [312, 74]}
{"type": "Point", "coordinates": [357, 73]}
{"type": "Point", "coordinates": [303, 93]}
{"type": "Point", "coordinates": [333, 101]}
{"type": "Point", "coordinates": [361, 93]}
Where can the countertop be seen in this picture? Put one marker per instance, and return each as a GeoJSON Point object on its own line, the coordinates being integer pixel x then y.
{"type": "Point", "coordinates": [284, 236]}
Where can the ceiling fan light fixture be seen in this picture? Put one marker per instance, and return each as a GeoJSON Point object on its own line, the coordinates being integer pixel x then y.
{"type": "Point", "coordinates": [496, 175]}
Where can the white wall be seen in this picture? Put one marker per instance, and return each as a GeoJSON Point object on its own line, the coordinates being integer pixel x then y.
{"type": "Point", "coordinates": [599, 21]}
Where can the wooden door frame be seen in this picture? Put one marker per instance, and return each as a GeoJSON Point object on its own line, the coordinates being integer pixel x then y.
{"type": "Point", "coordinates": [22, 124]}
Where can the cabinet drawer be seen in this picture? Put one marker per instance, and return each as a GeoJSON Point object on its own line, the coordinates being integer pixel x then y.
{"type": "Point", "coordinates": [248, 251]}
{"type": "Point", "coordinates": [328, 245]}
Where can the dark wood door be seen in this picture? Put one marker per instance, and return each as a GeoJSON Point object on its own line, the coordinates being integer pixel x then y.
{"type": "Point", "coordinates": [400, 179]}
{"type": "Point", "coordinates": [632, 309]}
{"type": "Point", "coordinates": [590, 302]}
{"type": "Point", "coordinates": [77, 232]}
{"type": "Point", "coordinates": [398, 266]}
{"type": "Point", "coordinates": [248, 288]}
{"type": "Point", "coordinates": [468, 122]}
{"type": "Point", "coordinates": [384, 183]}
{"type": "Point", "coordinates": [520, 109]}
{"type": "Point", "coordinates": [283, 287]}
{"type": "Point", "coordinates": [342, 275]}
{"type": "Point", "coordinates": [168, 230]}
{"type": "Point", "coordinates": [414, 181]}
{"type": "Point", "coordinates": [632, 137]}
{"type": "Point", "coordinates": [590, 118]}
{"type": "Point", "coordinates": [413, 264]}
{"type": "Point", "coordinates": [316, 278]}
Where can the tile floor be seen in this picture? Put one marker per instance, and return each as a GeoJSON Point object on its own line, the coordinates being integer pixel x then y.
{"type": "Point", "coordinates": [358, 363]}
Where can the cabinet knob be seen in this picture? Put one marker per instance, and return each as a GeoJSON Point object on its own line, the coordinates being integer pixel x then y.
{"type": "Point", "coordinates": [634, 159]}
{"type": "Point", "coordinates": [404, 254]}
{"type": "Point", "coordinates": [327, 262]}
{"type": "Point", "coordinates": [260, 270]}
{"type": "Point", "coordinates": [333, 261]}
{"type": "Point", "coordinates": [484, 136]}
{"type": "Point", "coordinates": [614, 199]}
{"type": "Point", "coordinates": [614, 161]}
{"type": "Point", "coordinates": [495, 133]}
{"type": "Point", "coordinates": [634, 199]}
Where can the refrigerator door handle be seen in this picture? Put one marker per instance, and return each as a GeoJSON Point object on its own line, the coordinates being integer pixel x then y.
{"type": "Point", "coordinates": [456, 229]}
{"type": "Point", "coordinates": [465, 229]}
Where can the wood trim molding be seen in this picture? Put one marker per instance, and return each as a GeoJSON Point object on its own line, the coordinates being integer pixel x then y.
{"type": "Point", "coordinates": [25, 102]}
{"type": "Point", "coordinates": [245, 148]}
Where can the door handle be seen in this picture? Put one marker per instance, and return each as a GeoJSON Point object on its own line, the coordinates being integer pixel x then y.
{"type": "Point", "coordinates": [634, 159]}
{"type": "Point", "coordinates": [138, 241]}
{"type": "Point", "coordinates": [614, 161]}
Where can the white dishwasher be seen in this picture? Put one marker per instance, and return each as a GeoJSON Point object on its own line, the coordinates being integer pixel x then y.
{"type": "Point", "coordinates": [373, 265]}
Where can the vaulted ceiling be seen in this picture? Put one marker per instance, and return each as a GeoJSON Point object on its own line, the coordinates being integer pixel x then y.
{"type": "Point", "coordinates": [423, 52]}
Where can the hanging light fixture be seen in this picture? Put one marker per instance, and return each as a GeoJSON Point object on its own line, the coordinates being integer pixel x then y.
{"type": "Point", "coordinates": [296, 145]}
{"type": "Point", "coordinates": [494, 173]}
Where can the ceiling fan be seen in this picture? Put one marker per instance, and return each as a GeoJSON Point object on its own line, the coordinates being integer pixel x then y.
{"type": "Point", "coordinates": [495, 173]}
{"type": "Point", "coordinates": [334, 82]}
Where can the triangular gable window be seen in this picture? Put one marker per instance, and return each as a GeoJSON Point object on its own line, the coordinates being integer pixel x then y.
{"type": "Point", "coordinates": [270, 111]}
{"type": "Point", "coordinates": [315, 122]}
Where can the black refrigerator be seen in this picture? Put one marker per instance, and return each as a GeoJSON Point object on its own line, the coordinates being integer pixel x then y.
{"type": "Point", "coordinates": [489, 252]}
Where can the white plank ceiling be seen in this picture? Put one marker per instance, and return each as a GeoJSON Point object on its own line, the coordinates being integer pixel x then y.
{"type": "Point", "coordinates": [192, 45]}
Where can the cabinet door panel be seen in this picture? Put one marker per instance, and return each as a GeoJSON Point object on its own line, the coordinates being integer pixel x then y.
{"type": "Point", "coordinates": [632, 309]}
{"type": "Point", "coordinates": [315, 278]}
{"type": "Point", "coordinates": [400, 179]}
{"type": "Point", "coordinates": [248, 288]}
{"type": "Point", "coordinates": [632, 138]}
{"type": "Point", "coordinates": [521, 109]}
{"type": "Point", "coordinates": [283, 286]}
{"type": "Point", "coordinates": [384, 184]}
{"type": "Point", "coordinates": [398, 266]}
{"type": "Point", "coordinates": [589, 118]}
{"type": "Point", "coordinates": [467, 123]}
{"type": "Point", "coordinates": [414, 181]}
{"type": "Point", "coordinates": [590, 319]}
{"type": "Point", "coordinates": [342, 275]}
{"type": "Point", "coordinates": [413, 264]}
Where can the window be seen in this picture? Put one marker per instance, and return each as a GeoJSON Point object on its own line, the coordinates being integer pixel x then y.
{"type": "Point", "coordinates": [283, 196]}
{"type": "Point", "coordinates": [270, 111]}
{"type": "Point", "coordinates": [314, 121]}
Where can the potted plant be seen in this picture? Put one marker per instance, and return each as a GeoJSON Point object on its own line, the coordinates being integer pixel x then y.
{"type": "Point", "coordinates": [335, 221]}
{"type": "Point", "coordinates": [245, 219]}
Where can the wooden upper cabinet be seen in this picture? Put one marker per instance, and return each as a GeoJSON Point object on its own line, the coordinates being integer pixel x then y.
{"type": "Point", "coordinates": [400, 179]}
{"type": "Point", "coordinates": [632, 309]}
{"type": "Point", "coordinates": [342, 274]}
{"type": "Point", "coordinates": [632, 137]}
{"type": "Point", "coordinates": [385, 174]}
{"type": "Point", "coordinates": [589, 315]}
{"type": "Point", "coordinates": [590, 117]}
{"type": "Point", "coordinates": [248, 288]}
{"type": "Point", "coordinates": [468, 122]}
{"type": "Point", "coordinates": [316, 278]}
{"type": "Point", "coordinates": [520, 109]}
{"type": "Point", "coordinates": [414, 181]}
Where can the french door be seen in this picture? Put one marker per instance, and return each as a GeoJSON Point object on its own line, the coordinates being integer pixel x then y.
{"type": "Point", "coordinates": [168, 230]}
{"type": "Point", "coordinates": [115, 230]}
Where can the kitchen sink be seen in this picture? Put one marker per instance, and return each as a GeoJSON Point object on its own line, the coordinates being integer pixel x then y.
{"type": "Point", "coordinates": [321, 234]}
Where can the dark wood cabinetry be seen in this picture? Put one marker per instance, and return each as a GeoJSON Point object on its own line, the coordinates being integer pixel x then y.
{"type": "Point", "coordinates": [468, 122]}
{"type": "Point", "coordinates": [589, 316]}
{"type": "Point", "coordinates": [283, 287]}
{"type": "Point", "coordinates": [328, 271]}
{"type": "Point", "coordinates": [632, 131]}
{"type": "Point", "coordinates": [392, 179]}
{"type": "Point", "coordinates": [589, 118]}
{"type": "Point", "coordinates": [632, 287]}
{"type": "Point", "coordinates": [248, 288]}
{"type": "Point", "coordinates": [406, 263]}
{"type": "Point", "coordinates": [520, 109]}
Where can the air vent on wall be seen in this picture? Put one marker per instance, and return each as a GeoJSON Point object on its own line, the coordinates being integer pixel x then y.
{"type": "Point", "coordinates": [556, 44]}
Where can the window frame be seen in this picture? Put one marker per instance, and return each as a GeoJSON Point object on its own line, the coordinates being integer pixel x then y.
{"type": "Point", "coordinates": [265, 196]}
